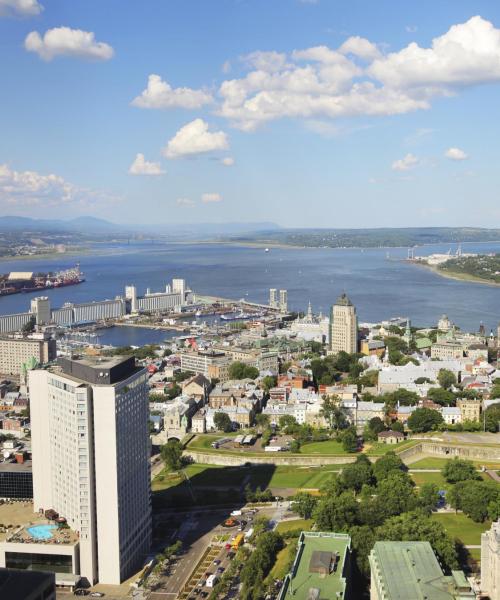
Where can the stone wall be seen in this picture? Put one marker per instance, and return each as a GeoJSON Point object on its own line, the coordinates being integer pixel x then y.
{"type": "Point", "coordinates": [285, 459]}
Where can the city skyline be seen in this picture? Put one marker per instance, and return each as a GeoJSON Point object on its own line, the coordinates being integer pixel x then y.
{"type": "Point", "coordinates": [184, 112]}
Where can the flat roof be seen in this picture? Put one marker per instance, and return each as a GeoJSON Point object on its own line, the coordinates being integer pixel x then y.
{"type": "Point", "coordinates": [301, 580]}
{"type": "Point", "coordinates": [21, 583]}
{"type": "Point", "coordinates": [15, 466]}
{"type": "Point", "coordinates": [410, 571]}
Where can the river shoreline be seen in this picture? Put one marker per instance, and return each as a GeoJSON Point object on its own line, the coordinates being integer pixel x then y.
{"type": "Point", "coordinates": [456, 276]}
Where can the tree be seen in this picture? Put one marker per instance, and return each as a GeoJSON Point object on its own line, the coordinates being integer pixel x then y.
{"type": "Point", "coordinates": [424, 419]}
{"type": "Point", "coordinates": [416, 526]}
{"type": "Point", "coordinates": [363, 539]}
{"type": "Point", "coordinates": [492, 418]}
{"type": "Point", "coordinates": [357, 474]}
{"type": "Point", "coordinates": [288, 424]}
{"type": "Point", "coordinates": [350, 440]}
{"type": "Point", "coordinates": [446, 379]}
{"type": "Point", "coordinates": [240, 370]}
{"type": "Point", "coordinates": [396, 493]}
{"type": "Point", "coordinates": [376, 425]}
{"type": "Point", "coordinates": [268, 382]}
{"type": "Point", "coordinates": [262, 420]}
{"type": "Point", "coordinates": [330, 411]}
{"type": "Point", "coordinates": [459, 469]}
{"type": "Point", "coordinates": [441, 396]}
{"type": "Point", "coordinates": [336, 513]}
{"type": "Point", "coordinates": [29, 326]}
{"type": "Point", "coordinates": [398, 426]}
{"type": "Point", "coordinates": [428, 496]}
{"type": "Point", "coordinates": [171, 454]}
{"type": "Point", "coordinates": [474, 498]}
{"type": "Point", "coordinates": [304, 504]}
{"type": "Point", "coordinates": [387, 464]}
{"type": "Point", "coordinates": [223, 422]}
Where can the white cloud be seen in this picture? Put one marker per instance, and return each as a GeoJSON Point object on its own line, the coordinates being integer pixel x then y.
{"type": "Point", "coordinates": [64, 41]}
{"type": "Point", "coordinates": [358, 79]}
{"type": "Point", "coordinates": [193, 139]}
{"type": "Point", "coordinates": [227, 161]}
{"type": "Point", "coordinates": [456, 154]}
{"type": "Point", "coordinates": [405, 164]}
{"type": "Point", "coordinates": [360, 47]}
{"type": "Point", "coordinates": [185, 202]}
{"type": "Point", "coordinates": [467, 54]}
{"type": "Point", "coordinates": [159, 94]}
{"type": "Point", "coordinates": [210, 197]}
{"type": "Point", "coordinates": [226, 67]}
{"type": "Point", "coordinates": [141, 166]}
{"type": "Point", "coordinates": [25, 8]}
{"type": "Point", "coordinates": [411, 28]}
{"type": "Point", "coordinates": [29, 188]}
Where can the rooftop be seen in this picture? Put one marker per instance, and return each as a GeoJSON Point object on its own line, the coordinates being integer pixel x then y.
{"type": "Point", "coordinates": [410, 571]}
{"type": "Point", "coordinates": [313, 546]}
{"type": "Point", "coordinates": [102, 370]}
{"type": "Point", "coordinates": [343, 300]}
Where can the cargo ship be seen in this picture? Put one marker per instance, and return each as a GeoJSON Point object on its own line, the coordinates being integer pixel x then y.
{"type": "Point", "coordinates": [25, 282]}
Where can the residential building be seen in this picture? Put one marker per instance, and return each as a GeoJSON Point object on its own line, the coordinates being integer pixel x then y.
{"type": "Point", "coordinates": [343, 326]}
{"type": "Point", "coordinates": [199, 422]}
{"type": "Point", "coordinates": [210, 364]}
{"type": "Point", "coordinates": [490, 562]}
{"type": "Point", "coordinates": [177, 417]}
{"type": "Point", "coordinates": [273, 299]}
{"type": "Point", "coordinates": [469, 409]}
{"type": "Point", "coordinates": [18, 351]}
{"type": "Point", "coordinates": [240, 417]}
{"type": "Point", "coordinates": [451, 415]}
{"type": "Point", "coordinates": [16, 481]}
{"type": "Point", "coordinates": [321, 569]}
{"type": "Point", "coordinates": [447, 350]}
{"type": "Point", "coordinates": [411, 571]}
{"type": "Point", "coordinates": [283, 304]}
{"type": "Point", "coordinates": [91, 452]}
{"type": "Point", "coordinates": [198, 387]}
{"type": "Point", "coordinates": [390, 437]}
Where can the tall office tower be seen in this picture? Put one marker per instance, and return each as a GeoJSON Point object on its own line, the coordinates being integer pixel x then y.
{"type": "Point", "coordinates": [498, 336]}
{"type": "Point", "coordinates": [343, 326]}
{"type": "Point", "coordinates": [490, 561]}
{"type": "Point", "coordinates": [273, 301]}
{"type": "Point", "coordinates": [91, 450]}
{"type": "Point", "coordinates": [131, 294]}
{"type": "Point", "coordinates": [40, 307]}
{"type": "Point", "coordinates": [179, 287]}
{"type": "Point", "coordinates": [283, 301]}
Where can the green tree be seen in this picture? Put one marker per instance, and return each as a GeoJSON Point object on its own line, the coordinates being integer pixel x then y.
{"type": "Point", "coordinates": [424, 419]}
{"type": "Point", "coordinates": [330, 411]}
{"type": "Point", "coordinates": [171, 454]}
{"type": "Point", "coordinates": [350, 440]}
{"type": "Point", "coordinates": [441, 396]}
{"type": "Point", "coordinates": [288, 424]}
{"type": "Point", "coordinates": [357, 474]}
{"type": "Point", "coordinates": [262, 420]}
{"type": "Point", "coordinates": [398, 426]}
{"type": "Point", "coordinates": [446, 379]}
{"type": "Point", "coordinates": [416, 526]}
{"type": "Point", "coordinates": [428, 496]}
{"type": "Point", "coordinates": [304, 504]}
{"type": "Point", "coordinates": [396, 493]}
{"type": "Point", "coordinates": [474, 498]}
{"type": "Point", "coordinates": [269, 382]}
{"type": "Point", "coordinates": [459, 469]}
{"type": "Point", "coordinates": [223, 422]}
{"type": "Point", "coordinates": [492, 418]}
{"type": "Point", "coordinates": [363, 539]}
{"type": "Point", "coordinates": [386, 464]}
{"type": "Point", "coordinates": [29, 326]}
{"type": "Point", "coordinates": [376, 425]}
{"type": "Point", "coordinates": [336, 513]}
{"type": "Point", "coordinates": [240, 370]}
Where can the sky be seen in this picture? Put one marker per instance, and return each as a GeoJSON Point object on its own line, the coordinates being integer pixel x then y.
{"type": "Point", "coordinates": [305, 113]}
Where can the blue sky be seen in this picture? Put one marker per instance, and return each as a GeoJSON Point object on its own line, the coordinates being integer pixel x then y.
{"type": "Point", "coordinates": [329, 113]}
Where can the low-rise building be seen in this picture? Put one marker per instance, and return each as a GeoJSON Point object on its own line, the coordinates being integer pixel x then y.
{"type": "Point", "coordinates": [411, 571]}
{"type": "Point", "coordinates": [17, 351]}
{"type": "Point", "coordinates": [199, 422]}
{"type": "Point", "coordinates": [447, 350]}
{"type": "Point", "coordinates": [240, 417]}
{"type": "Point", "coordinates": [451, 415]}
{"type": "Point", "coordinates": [390, 437]}
{"type": "Point", "coordinates": [321, 569]}
{"type": "Point", "coordinates": [469, 409]}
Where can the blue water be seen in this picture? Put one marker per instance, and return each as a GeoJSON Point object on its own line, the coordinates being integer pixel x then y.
{"type": "Point", "coordinates": [41, 532]}
{"type": "Point", "coordinates": [380, 288]}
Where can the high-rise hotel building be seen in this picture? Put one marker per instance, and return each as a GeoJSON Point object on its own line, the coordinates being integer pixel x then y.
{"type": "Point", "coordinates": [343, 326]}
{"type": "Point", "coordinates": [91, 451]}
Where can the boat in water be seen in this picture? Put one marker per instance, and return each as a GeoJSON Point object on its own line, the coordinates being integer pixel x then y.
{"type": "Point", "coordinates": [241, 316]}
{"type": "Point", "coordinates": [24, 282]}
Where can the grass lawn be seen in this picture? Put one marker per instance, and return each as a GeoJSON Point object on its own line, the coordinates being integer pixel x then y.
{"type": "Point", "coordinates": [379, 449]}
{"type": "Point", "coordinates": [285, 556]}
{"type": "Point", "coordinates": [296, 525]}
{"type": "Point", "coordinates": [326, 447]}
{"type": "Point", "coordinates": [421, 478]}
{"type": "Point", "coordinates": [462, 527]}
{"type": "Point", "coordinates": [438, 463]}
{"type": "Point", "coordinates": [292, 477]}
{"type": "Point", "coordinates": [204, 442]}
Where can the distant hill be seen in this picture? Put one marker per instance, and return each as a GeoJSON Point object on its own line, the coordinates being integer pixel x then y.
{"type": "Point", "coordinates": [78, 224]}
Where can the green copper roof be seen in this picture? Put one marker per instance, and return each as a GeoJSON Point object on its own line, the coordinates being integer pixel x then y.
{"type": "Point", "coordinates": [343, 300]}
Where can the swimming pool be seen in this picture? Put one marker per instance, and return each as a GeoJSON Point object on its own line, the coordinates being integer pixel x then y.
{"type": "Point", "coordinates": [41, 532]}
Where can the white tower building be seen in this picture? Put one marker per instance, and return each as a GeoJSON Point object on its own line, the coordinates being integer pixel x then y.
{"type": "Point", "coordinates": [273, 302]}
{"type": "Point", "coordinates": [131, 294]}
{"type": "Point", "coordinates": [91, 450]}
{"type": "Point", "coordinates": [179, 287]}
{"type": "Point", "coordinates": [40, 307]}
{"type": "Point", "coordinates": [283, 301]}
{"type": "Point", "coordinates": [343, 326]}
{"type": "Point", "coordinates": [490, 561]}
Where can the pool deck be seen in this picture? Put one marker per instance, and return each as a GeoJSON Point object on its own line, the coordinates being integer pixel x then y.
{"type": "Point", "coordinates": [16, 517]}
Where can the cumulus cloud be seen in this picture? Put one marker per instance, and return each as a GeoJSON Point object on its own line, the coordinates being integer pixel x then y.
{"type": "Point", "coordinates": [64, 41]}
{"type": "Point", "coordinates": [160, 94]}
{"type": "Point", "coordinates": [25, 8]}
{"type": "Point", "coordinates": [360, 47]}
{"type": "Point", "coordinates": [210, 197]}
{"type": "Point", "coordinates": [185, 202]}
{"type": "Point", "coordinates": [405, 164]}
{"type": "Point", "coordinates": [456, 154]}
{"type": "Point", "coordinates": [227, 161]}
{"type": "Point", "coordinates": [29, 188]}
{"type": "Point", "coordinates": [194, 139]}
{"type": "Point", "coordinates": [141, 166]}
{"type": "Point", "coordinates": [358, 79]}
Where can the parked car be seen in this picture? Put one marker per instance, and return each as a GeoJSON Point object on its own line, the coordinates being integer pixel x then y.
{"type": "Point", "coordinates": [81, 592]}
{"type": "Point", "coordinates": [216, 561]}
{"type": "Point", "coordinates": [97, 595]}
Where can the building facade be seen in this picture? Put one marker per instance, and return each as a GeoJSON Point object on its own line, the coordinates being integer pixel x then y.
{"type": "Point", "coordinates": [91, 452]}
{"type": "Point", "coordinates": [18, 351]}
{"type": "Point", "coordinates": [343, 326]}
{"type": "Point", "coordinates": [490, 561]}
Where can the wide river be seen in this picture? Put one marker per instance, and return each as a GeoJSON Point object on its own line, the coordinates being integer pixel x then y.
{"type": "Point", "coordinates": [379, 287]}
